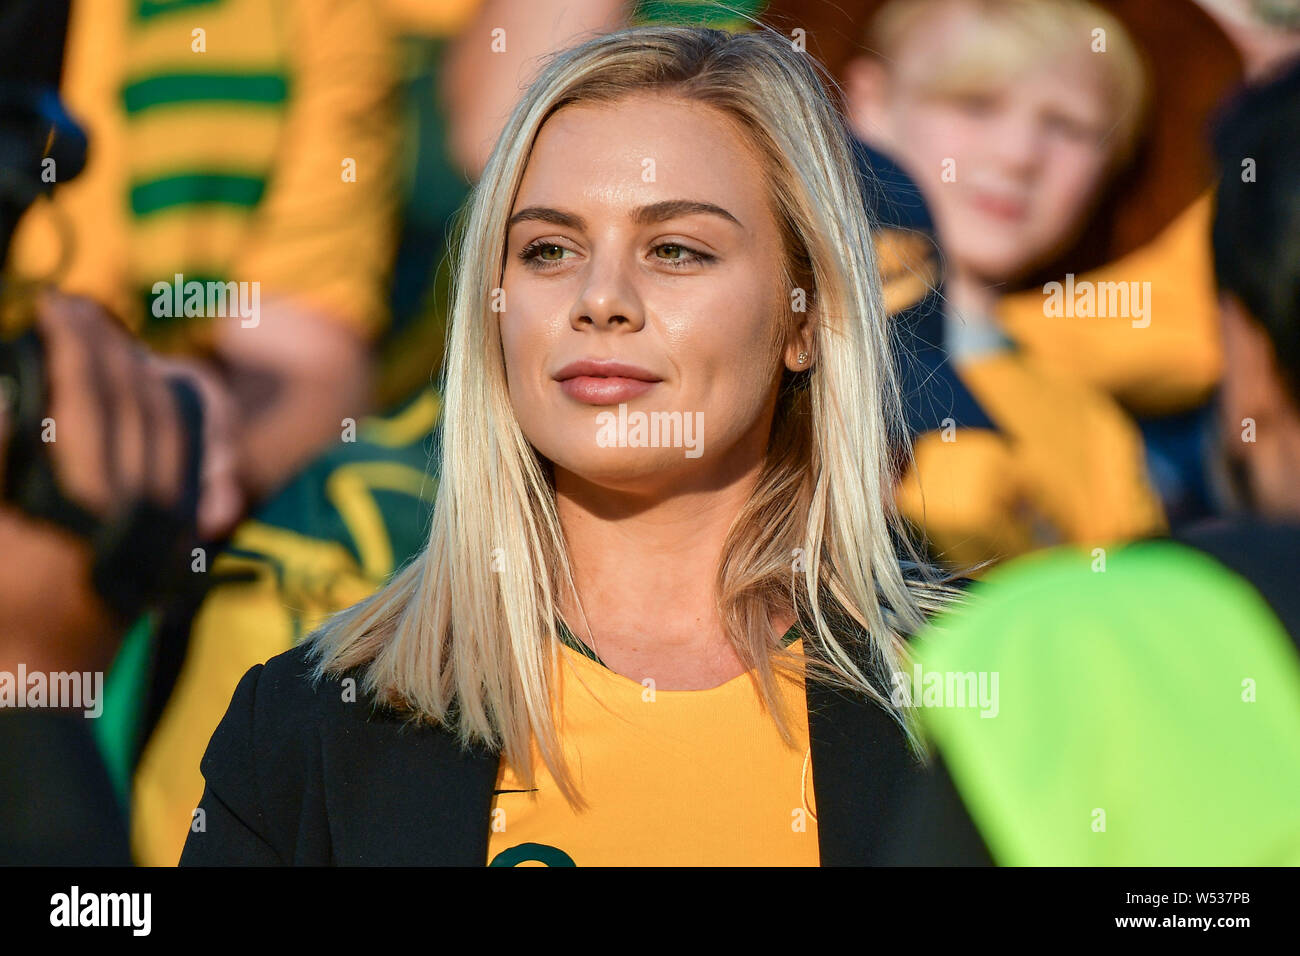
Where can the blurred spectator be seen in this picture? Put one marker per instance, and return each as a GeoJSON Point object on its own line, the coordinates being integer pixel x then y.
{"type": "Point", "coordinates": [1147, 216]}
{"type": "Point", "coordinates": [323, 543]}
{"type": "Point", "coordinates": [497, 55]}
{"type": "Point", "coordinates": [1150, 705]}
{"type": "Point", "coordinates": [247, 146]}
{"type": "Point", "coordinates": [1010, 125]}
{"type": "Point", "coordinates": [345, 522]}
{"type": "Point", "coordinates": [241, 141]}
{"type": "Point", "coordinates": [1146, 242]}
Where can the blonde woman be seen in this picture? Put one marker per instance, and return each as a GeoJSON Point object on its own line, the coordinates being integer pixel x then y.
{"type": "Point", "coordinates": [661, 614]}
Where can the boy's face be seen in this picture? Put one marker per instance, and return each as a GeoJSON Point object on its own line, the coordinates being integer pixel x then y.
{"type": "Point", "coordinates": [1008, 171]}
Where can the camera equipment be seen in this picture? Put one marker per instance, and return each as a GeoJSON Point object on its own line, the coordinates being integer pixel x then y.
{"type": "Point", "coordinates": [141, 552]}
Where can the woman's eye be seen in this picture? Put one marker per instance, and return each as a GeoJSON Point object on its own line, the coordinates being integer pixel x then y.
{"type": "Point", "coordinates": [536, 252]}
{"type": "Point", "coordinates": [671, 254]}
{"type": "Point", "coordinates": [680, 255]}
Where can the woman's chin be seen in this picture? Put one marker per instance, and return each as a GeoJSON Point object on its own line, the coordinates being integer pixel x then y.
{"type": "Point", "coordinates": [648, 471]}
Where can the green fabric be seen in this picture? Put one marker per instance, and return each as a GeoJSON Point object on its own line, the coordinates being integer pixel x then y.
{"type": "Point", "coordinates": [1123, 691]}
{"type": "Point", "coordinates": [303, 506]}
{"type": "Point", "coordinates": [412, 344]}
{"type": "Point", "coordinates": [705, 13]}
{"type": "Point", "coordinates": [567, 638]}
{"type": "Point", "coordinates": [263, 89]}
{"type": "Point", "coordinates": [145, 9]}
{"type": "Point", "coordinates": [147, 296]}
{"type": "Point", "coordinates": [117, 729]}
{"type": "Point", "coordinates": [196, 187]}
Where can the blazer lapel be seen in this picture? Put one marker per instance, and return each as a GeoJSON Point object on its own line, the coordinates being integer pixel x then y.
{"type": "Point", "coordinates": [862, 768]}
{"type": "Point", "coordinates": [408, 796]}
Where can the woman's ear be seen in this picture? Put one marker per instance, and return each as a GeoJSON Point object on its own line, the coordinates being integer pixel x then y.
{"type": "Point", "coordinates": [866, 99]}
{"type": "Point", "coordinates": [799, 348]}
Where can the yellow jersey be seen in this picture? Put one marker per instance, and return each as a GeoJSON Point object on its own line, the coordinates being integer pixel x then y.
{"type": "Point", "coordinates": [670, 778]}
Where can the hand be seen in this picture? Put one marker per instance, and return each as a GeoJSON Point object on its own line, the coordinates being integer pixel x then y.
{"type": "Point", "coordinates": [118, 432]}
{"type": "Point", "coordinates": [222, 500]}
{"type": "Point", "coordinates": [116, 436]}
{"type": "Point", "coordinates": [111, 424]}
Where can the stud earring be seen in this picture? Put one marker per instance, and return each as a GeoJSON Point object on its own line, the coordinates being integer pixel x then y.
{"type": "Point", "coordinates": [803, 357]}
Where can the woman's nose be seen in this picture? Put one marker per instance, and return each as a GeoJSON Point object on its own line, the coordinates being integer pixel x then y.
{"type": "Point", "coordinates": [608, 298]}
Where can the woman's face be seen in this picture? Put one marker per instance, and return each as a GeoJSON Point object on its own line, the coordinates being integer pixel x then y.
{"type": "Point", "coordinates": [642, 235]}
{"type": "Point", "coordinates": [1009, 171]}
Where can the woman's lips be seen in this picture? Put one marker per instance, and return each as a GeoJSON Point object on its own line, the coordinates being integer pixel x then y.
{"type": "Point", "coordinates": [594, 390]}
{"type": "Point", "coordinates": [605, 381]}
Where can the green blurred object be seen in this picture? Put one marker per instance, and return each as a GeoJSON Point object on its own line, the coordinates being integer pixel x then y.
{"type": "Point", "coordinates": [1148, 712]}
{"type": "Point", "coordinates": [117, 729]}
{"type": "Point", "coordinates": [700, 13]}
{"type": "Point", "coordinates": [410, 352]}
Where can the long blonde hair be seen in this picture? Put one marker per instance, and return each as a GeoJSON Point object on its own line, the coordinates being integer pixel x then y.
{"type": "Point", "coordinates": [465, 635]}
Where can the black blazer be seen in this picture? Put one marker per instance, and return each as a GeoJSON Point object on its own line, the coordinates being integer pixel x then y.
{"type": "Point", "coordinates": [297, 776]}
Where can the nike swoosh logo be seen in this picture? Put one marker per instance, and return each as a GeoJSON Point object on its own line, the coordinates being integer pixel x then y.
{"type": "Point", "coordinates": [495, 792]}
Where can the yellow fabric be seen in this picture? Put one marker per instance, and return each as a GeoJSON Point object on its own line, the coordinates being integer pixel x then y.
{"type": "Point", "coordinates": [673, 778]}
{"type": "Point", "coordinates": [1066, 466]}
{"type": "Point", "coordinates": [908, 263]}
{"type": "Point", "coordinates": [323, 241]}
{"type": "Point", "coordinates": [1171, 364]}
{"type": "Point", "coordinates": [365, 495]}
{"type": "Point", "coordinates": [969, 495]}
{"type": "Point", "coordinates": [92, 67]}
{"type": "Point", "coordinates": [238, 626]}
{"type": "Point", "coordinates": [327, 242]}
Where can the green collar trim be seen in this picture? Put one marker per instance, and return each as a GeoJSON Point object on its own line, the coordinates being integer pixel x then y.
{"type": "Point", "coordinates": [572, 642]}
{"type": "Point", "coordinates": [566, 636]}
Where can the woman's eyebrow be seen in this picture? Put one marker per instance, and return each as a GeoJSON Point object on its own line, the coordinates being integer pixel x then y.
{"type": "Point", "coordinates": [642, 215]}
{"type": "Point", "coordinates": [547, 214]}
{"type": "Point", "coordinates": [672, 208]}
